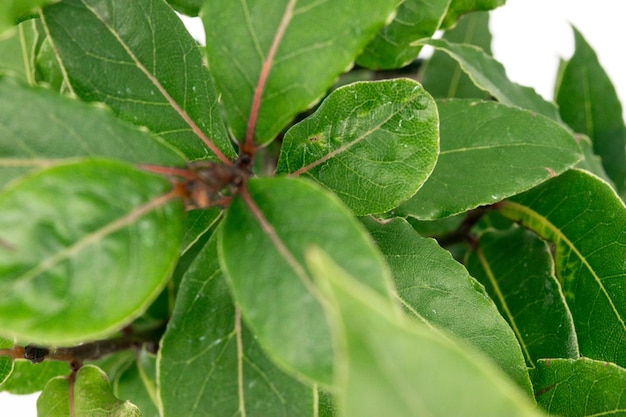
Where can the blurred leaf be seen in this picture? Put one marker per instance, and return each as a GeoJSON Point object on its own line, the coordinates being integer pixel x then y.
{"type": "Point", "coordinates": [28, 378]}
{"type": "Point", "coordinates": [6, 362]}
{"type": "Point", "coordinates": [17, 51]}
{"type": "Point", "coordinates": [489, 75]}
{"type": "Point", "coordinates": [589, 104]}
{"type": "Point", "coordinates": [90, 245]}
{"type": "Point", "coordinates": [187, 7]}
{"type": "Point", "coordinates": [442, 76]}
{"type": "Point", "coordinates": [210, 364]}
{"type": "Point", "coordinates": [582, 387]}
{"type": "Point", "coordinates": [437, 290]}
{"type": "Point", "coordinates": [55, 128]}
{"type": "Point", "coordinates": [150, 70]}
{"type": "Point", "coordinates": [197, 224]}
{"type": "Point", "coordinates": [262, 249]}
{"type": "Point", "coordinates": [13, 10]}
{"type": "Point", "coordinates": [391, 48]}
{"type": "Point", "coordinates": [372, 143]}
{"type": "Point", "coordinates": [489, 152]}
{"type": "Point", "coordinates": [390, 366]}
{"type": "Point", "coordinates": [518, 272]}
{"type": "Point", "coordinates": [591, 162]}
{"type": "Point", "coordinates": [315, 43]}
{"type": "Point", "coordinates": [459, 7]}
{"type": "Point", "coordinates": [586, 222]}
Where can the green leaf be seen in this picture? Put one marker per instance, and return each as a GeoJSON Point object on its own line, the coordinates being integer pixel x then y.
{"type": "Point", "coordinates": [13, 10]}
{"type": "Point", "coordinates": [89, 245]}
{"type": "Point", "coordinates": [489, 152]}
{"type": "Point", "coordinates": [314, 42]}
{"type": "Point", "coordinates": [262, 245]}
{"type": "Point", "coordinates": [187, 7]}
{"type": "Point", "coordinates": [149, 69]}
{"type": "Point", "coordinates": [589, 104]}
{"type": "Point", "coordinates": [28, 378]}
{"type": "Point", "coordinates": [92, 396]}
{"type": "Point", "coordinates": [372, 143]}
{"type": "Point", "coordinates": [582, 387]}
{"type": "Point", "coordinates": [391, 48]}
{"type": "Point", "coordinates": [137, 383]}
{"type": "Point", "coordinates": [437, 290]}
{"type": "Point", "coordinates": [586, 222]}
{"type": "Point", "coordinates": [518, 272]}
{"type": "Point", "coordinates": [197, 224]}
{"type": "Point", "coordinates": [6, 362]}
{"type": "Point", "coordinates": [57, 128]}
{"type": "Point", "coordinates": [591, 162]}
{"type": "Point", "coordinates": [489, 75]}
{"type": "Point", "coordinates": [15, 51]}
{"type": "Point", "coordinates": [211, 364]}
{"type": "Point", "coordinates": [459, 7]}
{"type": "Point", "coordinates": [389, 365]}
{"type": "Point", "coordinates": [442, 76]}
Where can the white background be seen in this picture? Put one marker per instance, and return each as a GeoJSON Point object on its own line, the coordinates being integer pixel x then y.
{"type": "Point", "coordinates": [529, 38]}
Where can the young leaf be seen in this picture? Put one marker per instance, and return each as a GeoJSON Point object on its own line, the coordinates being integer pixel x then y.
{"type": "Point", "coordinates": [589, 104]}
{"type": "Point", "coordinates": [6, 362]}
{"type": "Point", "coordinates": [518, 272]}
{"type": "Point", "coordinates": [372, 143]}
{"type": "Point", "coordinates": [57, 128]}
{"type": "Point", "coordinates": [88, 246]}
{"type": "Point", "coordinates": [460, 7]}
{"type": "Point", "coordinates": [290, 52]}
{"type": "Point", "coordinates": [390, 366]}
{"type": "Point", "coordinates": [12, 10]}
{"type": "Point", "coordinates": [92, 397]}
{"type": "Point", "coordinates": [437, 290]}
{"type": "Point", "coordinates": [211, 364]}
{"type": "Point", "coordinates": [149, 68]}
{"type": "Point", "coordinates": [391, 48]}
{"type": "Point", "coordinates": [586, 221]}
{"type": "Point", "coordinates": [489, 152]}
{"type": "Point", "coordinates": [582, 387]}
{"type": "Point", "coordinates": [262, 244]}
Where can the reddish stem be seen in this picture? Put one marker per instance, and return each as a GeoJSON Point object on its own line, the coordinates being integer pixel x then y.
{"type": "Point", "coordinates": [179, 172]}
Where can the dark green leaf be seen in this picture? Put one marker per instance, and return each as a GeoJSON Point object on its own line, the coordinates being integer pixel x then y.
{"type": "Point", "coordinates": [88, 246]}
{"type": "Point", "coordinates": [372, 143]}
{"type": "Point", "coordinates": [56, 128]}
{"type": "Point", "coordinates": [437, 290]}
{"type": "Point", "coordinates": [489, 152]}
{"type": "Point", "coordinates": [28, 378]}
{"type": "Point", "coordinates": [315, 41]}
{"type": "Point", "coordinates": [188, 7]}
{"type": "Point", "coordinates": [13, 10]}
{"type": "Point", "coordinates": [149, 69]}
{"type": "Point", "coordinates": [591, 161]}
{"type": "Point", "coordinates": [197, 224]}
{"type": "Point", "coordinates": [210, 364]}
{"type": "Point", "coordinates": [589, 104]}
{"type": "Point", "coordinates": [391, 48]}
{"type": "Point", "coordinates": [582, 387]}
{"type": "Point", "coordinates": [586, 221]}
{"type": "Point", "coordinates": [263, 240]}
{"type": "Point", "coordinates": [137, 383]}
{"type": "Point", "coordinates": [518, 272]}
{"type": "Point", "coordinates": [388, 365]}
{"type": "Point", "coordinates": [459, 7]}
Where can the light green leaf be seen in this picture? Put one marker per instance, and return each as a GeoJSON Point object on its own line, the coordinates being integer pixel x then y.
{"type": "Point", "coordinates": [459, 7]}
{"type": "Point", "coordinates": [372, 143]}
{"type": "Point", "coordinates": [92, 395]}
{"type": "Point", "coordinates": [582, 387]}
{"type": "Point", "coordinates": [518, 272]}
{"type": "Point", "coordinates": [6, 362]}
{"type": "Point", "coordinates": [17, 50]}
{"type": "Point", "coordinates": [489, 152]}
{"type": "Point", "coordinates": [437, 290]}
{"type": "Point", "coordinates": [262, 245]}
{"type": "Point", "coordinates": [314, 42]}
{"type": "Point", "coordinates": [589, 104]}
{"type": "Point", "coordinates": [391, 48]}
{"type": "Point", "coordinates": [89, 245]}
{"type": "Point", "coordinates": [388, 365]}
{"type": "Point", "coordinates": [150, 70]}
{"type": "Point", "coordinates": [13, 10]}
{"type": "Point", "coordinates": [211, 364]}
{"type": "Point", "coordinates": [28, 378]}
{"type": "Point", "coordinates": [586, 222]}
{"type": "Point", "coordinates": [489, 75]}
{"type": "Point", "coordinates": [56, 128]}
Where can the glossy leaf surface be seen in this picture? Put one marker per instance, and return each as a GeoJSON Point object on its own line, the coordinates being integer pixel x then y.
{"type": "Point", "coordinates": [87, 255]}
{"type": "Point", "coordinates": [372, 143]}
{"type": "Point", "coordinates": [586, 222]}
{"type": "Point", "coordinates": [589, 104]}
{"type": "Point", "coordinates": [315, 41]}
{"type": "Point", "coordinates": [262, 250]}
{"type": "Point", "coordinates": [436, 289]}
{"type": "Point", "coordinates": [582, 387]}
{"type": "Point", "coordinates": [391, 48]}
{"type": "Point", "coordinates": [149, 68]}
{"type": "Point", "coordinates": [489, 152]}
{"type": "Point", "coordinates": [211, 364]}
{"type": "Point", "coordinates": [459, 7]}
{"type": "Point", "coordinates": [391, 366]}
{"type": "Point", "coordinates": [517, 270]}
